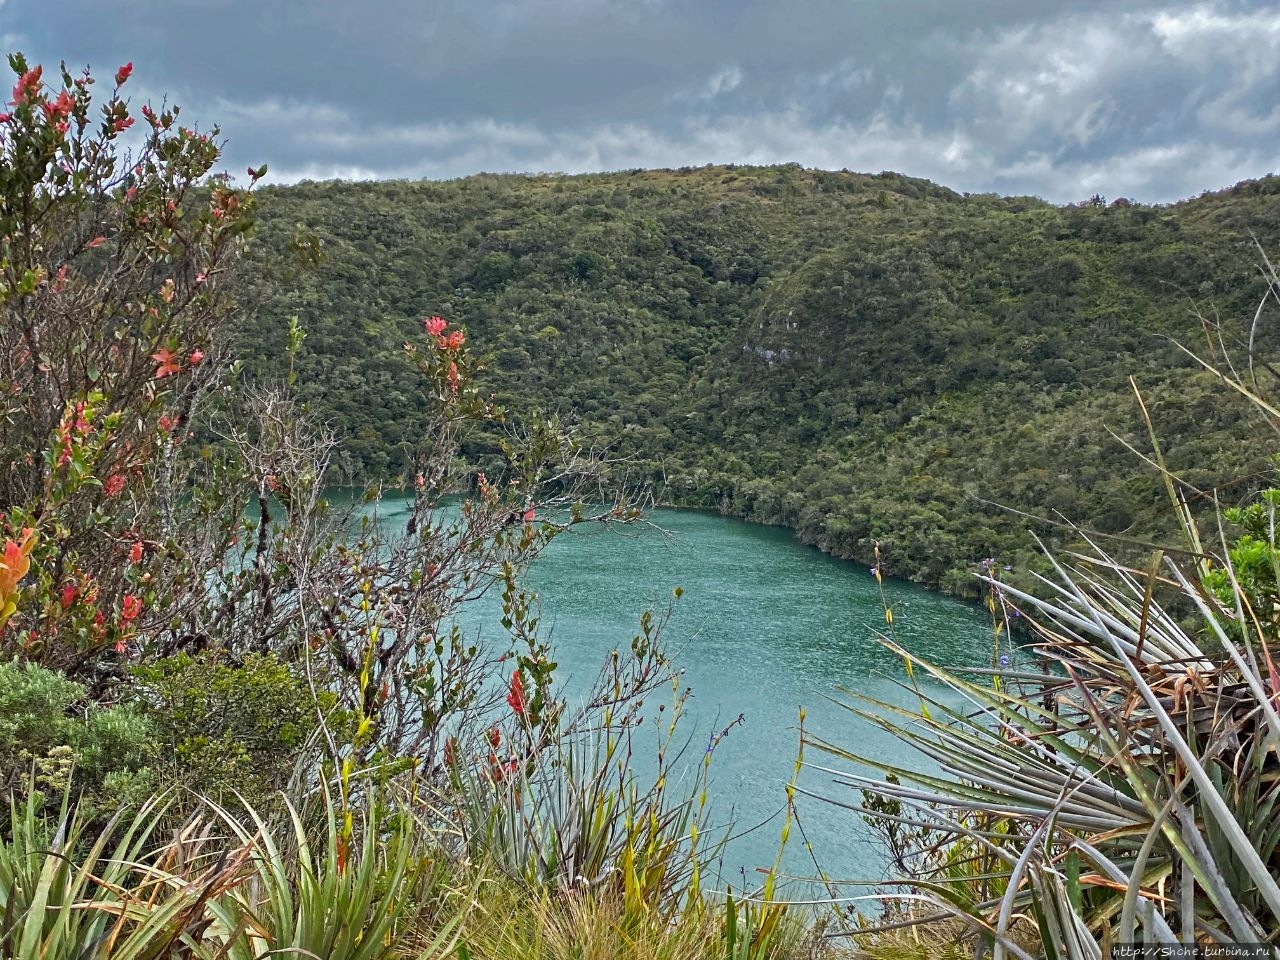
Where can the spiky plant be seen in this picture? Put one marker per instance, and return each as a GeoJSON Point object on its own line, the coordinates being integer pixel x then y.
{"type": "Point", "coordinates": [72, 890]}
{"type": "Point", "coordinates": [347, 894]}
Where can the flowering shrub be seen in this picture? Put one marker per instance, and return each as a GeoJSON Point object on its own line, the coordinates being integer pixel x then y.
{"type": "Point", "coordinates": [48, 728]}
{"type": "Point", "coordinates": [129, 562]}
{"type": "Point", "coordinates": [112, 294]}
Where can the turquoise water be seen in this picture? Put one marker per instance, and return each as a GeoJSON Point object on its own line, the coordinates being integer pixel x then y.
{"type": "Point", "coordinates": [765, 625]}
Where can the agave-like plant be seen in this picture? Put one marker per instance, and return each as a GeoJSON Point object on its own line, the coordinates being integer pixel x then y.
{"type": "Point", "coordinates": [365, 891]}
{"type": "Point", "coordinates": [1134, 787]}
{"type": "Point", "coordinates": [228, 887]}
{"type": "Point", "coordinates": [67, 891]}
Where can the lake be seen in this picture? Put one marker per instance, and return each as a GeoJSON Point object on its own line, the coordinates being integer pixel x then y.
{"type": "Point", "coordinates": [764, 626]}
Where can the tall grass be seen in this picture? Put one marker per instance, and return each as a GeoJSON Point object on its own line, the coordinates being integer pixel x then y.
{"type": "Point", "coordinates": [237, 884]}
{"type": "Point", "coordinates": [581, 815]}
{"type": "Point", "coordinates": [225, 887]}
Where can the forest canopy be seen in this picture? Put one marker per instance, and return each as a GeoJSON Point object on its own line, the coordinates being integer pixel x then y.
{"type": "Point", "coordinates": [861, 358]}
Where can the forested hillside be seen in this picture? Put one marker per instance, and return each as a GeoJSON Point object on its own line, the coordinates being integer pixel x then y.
{"type": "Point", "coordinates": [857, 357]}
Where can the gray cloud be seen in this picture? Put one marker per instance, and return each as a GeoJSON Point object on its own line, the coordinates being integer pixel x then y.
{"type": "Point", "coordinates": [1153, 100]}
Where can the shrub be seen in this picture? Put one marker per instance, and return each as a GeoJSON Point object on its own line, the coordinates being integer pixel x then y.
{"type": "Point", "coordinates": [113, 296]}
{"type": "Point", "coordinates": [241, 727]}
{"type": "Point", "coordinates": [53, 736]}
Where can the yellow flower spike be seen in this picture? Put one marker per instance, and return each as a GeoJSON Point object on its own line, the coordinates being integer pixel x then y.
{"type": "Point", "coordinates": [888, 616]}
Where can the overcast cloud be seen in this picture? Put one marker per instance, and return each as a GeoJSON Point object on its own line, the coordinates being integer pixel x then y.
{"type": "Point", "coordinates": [1156, 101]}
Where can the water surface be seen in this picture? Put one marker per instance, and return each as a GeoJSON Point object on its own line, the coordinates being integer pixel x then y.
{"type": "Point", "coordinates": [765, 625]}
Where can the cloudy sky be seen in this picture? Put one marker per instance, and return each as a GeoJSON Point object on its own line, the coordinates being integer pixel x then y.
{"type": "Point", "coordinates": [1156, 101]}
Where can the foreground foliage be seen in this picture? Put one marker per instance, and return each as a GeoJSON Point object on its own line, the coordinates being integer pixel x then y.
{"type": "Point", "coordinates": [238, 720]}
{"type": "Point", "coordinates": [236, 883]}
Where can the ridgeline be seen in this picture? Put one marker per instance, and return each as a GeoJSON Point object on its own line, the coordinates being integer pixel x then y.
{"type": "Point", "coordinates": [857, 357]}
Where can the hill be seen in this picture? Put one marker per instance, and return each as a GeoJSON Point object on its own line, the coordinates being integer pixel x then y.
{"type": "Point", "coordinates": [857, 357]}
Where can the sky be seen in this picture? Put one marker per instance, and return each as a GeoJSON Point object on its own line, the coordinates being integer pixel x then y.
{"type": "Point", "coordinates": [1152, 101]}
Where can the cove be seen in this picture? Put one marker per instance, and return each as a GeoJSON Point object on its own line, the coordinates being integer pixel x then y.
{"type": "Point", "coordinates": [765, 625]}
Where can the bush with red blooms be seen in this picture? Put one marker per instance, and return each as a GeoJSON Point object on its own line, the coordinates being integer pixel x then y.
{"type": "Point", "coordinates": [113, 296]}
{"type": "Point", "coordinates": [155, 509]}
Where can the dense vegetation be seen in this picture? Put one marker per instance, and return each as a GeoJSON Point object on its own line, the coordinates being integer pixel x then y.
{"type": "Point", "coordinates": [857, 357]}
{"type": "Point", "coordinates": [231, 734]}
{"type": "Point", "coordinates": [239, 721]}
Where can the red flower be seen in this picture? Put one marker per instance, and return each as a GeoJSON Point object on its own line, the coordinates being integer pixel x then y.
{"type": "Point", "coordinates": [28, 85]}
{"type": "Point", "coordinates": [123, 73]}
{"type": "Point", "coordinates": [169, 364]}
{"type": "Point", "coordinates": [495, 737]}
{"type": "Point", "coordinates": [135, 552]}
{"type": "Point", "coordinates": [454, 340]}
{"type": "Point", "coordinates": [196, 357]}
{"type": "Point", "coordinates": [119, 646]}
{"type": "Point", "coordinates": [59, 108]}
{"type": "Point", "coordinates": [454, 379]}
{"type": "Point", "coordinates": [499, 771]}
{"type": "Point", "coordinates": [96, 242]}
{"type": "Point", "coordinates": [113, 484]}
{"type": "Point", "coordinates": [434, 325]}
{"type": "Point", "coordinates": [167, 423]}
{"type": "Point", "coordinates": [530, 515]}
{"type": "Point", "coordinates": [123, 124]}
{"type": "Point", "coordinates": [69, 592]}
{"type": "Point", "coordinates": [515, 696]}
{"type": "Point", "coordinates": [130, 607]}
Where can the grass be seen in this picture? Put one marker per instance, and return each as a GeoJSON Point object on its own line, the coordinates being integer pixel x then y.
{"type": "Point", "coordinates": [372, 883]}
{"type": "Point", "coordinates": [516, 921]}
